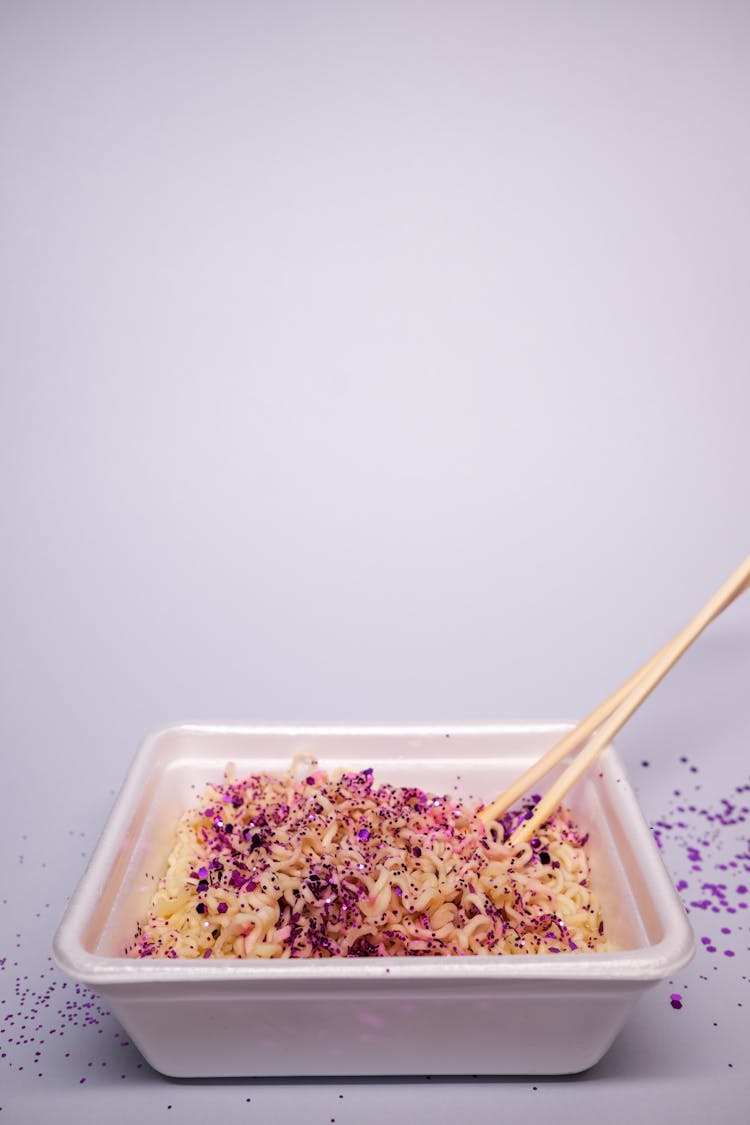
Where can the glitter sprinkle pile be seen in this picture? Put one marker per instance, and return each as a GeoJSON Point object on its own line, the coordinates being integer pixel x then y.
{"type": "Point", "coordinates": [705, 843]}
{"type": "Point", "coordinates": [711, 876]}
{"type": "Point", "coordinates": [58, 1024]}
{"type": "Point", "coordinates": [318, 867]}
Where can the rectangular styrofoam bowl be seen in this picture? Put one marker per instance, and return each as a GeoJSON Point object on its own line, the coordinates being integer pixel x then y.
{"type": "Point", "coordinates": [536, 1014]}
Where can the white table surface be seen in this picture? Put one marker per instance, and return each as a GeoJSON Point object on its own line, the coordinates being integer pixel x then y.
{"type": "Point", "coordinates": [371, 361]}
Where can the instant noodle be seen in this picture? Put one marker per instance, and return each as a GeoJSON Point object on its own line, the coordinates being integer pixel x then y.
{"type": "Point", "coordinates": [319, 866]}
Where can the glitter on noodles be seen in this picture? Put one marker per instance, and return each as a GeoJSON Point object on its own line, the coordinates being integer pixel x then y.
{"type": "Point", "coordinates": [279, 867]}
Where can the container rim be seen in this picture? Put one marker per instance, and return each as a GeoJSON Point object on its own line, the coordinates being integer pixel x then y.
{"type": "Point", "coordinates": [650, 963]}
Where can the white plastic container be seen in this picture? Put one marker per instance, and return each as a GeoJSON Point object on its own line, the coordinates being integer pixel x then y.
{"type": "Point", "coordinates": [536, 1014]}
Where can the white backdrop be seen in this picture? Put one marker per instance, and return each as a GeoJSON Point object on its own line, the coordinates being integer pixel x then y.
{"type": "Point", "coordinates": [368, 361]}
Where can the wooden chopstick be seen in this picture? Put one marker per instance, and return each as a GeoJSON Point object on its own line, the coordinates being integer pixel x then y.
{"type": "Point", "coordinates": [611, 715]}
{"type": "Point", "coordinates": [576, 737]}
{"type": "Point", "coordinates": [571, 741]}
